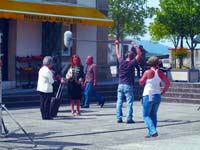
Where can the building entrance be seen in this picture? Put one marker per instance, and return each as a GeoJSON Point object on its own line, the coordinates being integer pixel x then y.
{"type": "Point", "coordinates": [4, 26]}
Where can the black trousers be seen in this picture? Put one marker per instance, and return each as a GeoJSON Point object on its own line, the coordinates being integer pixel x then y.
{"type": "Point", "coordinates": [45, 101]}
{"type": "Point", "coordinates": [137, 67]}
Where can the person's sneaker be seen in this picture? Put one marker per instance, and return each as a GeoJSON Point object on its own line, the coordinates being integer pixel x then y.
{"type": "Point", "coordinates": [73, 113]}
{"type": "Point", "coordinates": [48, 118]}
{"type": "Point", "coordinates": [120, 121]}
{"type": "Point", "coordinates": [78, 113]}
{"type": "Point", "coordinates": [154, 135]}
{"type": "Point", "coordinates": [130, 121]}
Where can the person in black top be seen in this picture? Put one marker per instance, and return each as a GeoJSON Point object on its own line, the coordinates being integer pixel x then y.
{"type": "Point", "coordinates": [56, 74]}
{"type": "Point", "coordinates": [125, 87]}
{"type": "Point", "coordinates": [75, 76]}
{"type": "Point", "coordinates": [142, 63]}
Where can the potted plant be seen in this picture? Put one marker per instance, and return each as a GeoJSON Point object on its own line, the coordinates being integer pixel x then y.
{"type": "Point", "coordinates": [182, 72]}
{"type": "Point", "coordinates": [180, 54]}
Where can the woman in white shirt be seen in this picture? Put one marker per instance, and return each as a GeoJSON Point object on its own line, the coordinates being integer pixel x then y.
{"type": "Point", "coordinates": [45, 87]}
{"type": "Point", "coordinates": [152, 94]}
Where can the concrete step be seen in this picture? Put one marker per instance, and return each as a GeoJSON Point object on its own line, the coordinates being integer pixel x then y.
{"type": "Point", "coordinates": [184, 90]}
{"type": "Point", "coordinates": [31, 97]}
{"type": "Point", "coordinates": [178, 92]}
{"type": "Point", "coordinates": [185, 84]}
{"type": "Point", "coordinates": [18, 99]}
{"type": "Point", "coordinates": [183, 95]}
{"type": "Point", "coordinates": [180, 100]}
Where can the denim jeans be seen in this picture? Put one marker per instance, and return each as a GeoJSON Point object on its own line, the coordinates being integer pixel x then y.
{"type": "Point", "coordinates": [125, 91]}
{"type": "Point", "coordinates": [89, 91]}
{"type": "Point", "coordinates": [150, 109]}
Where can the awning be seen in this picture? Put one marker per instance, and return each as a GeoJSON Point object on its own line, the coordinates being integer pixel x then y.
{"type": "Point", "coordinates": [48, 12]}
{"type": "Point", "coordinates": [197, 38]}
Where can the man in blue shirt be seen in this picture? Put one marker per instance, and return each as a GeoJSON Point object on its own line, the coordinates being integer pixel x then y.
{"type": "Point", "coordinates": [125, 87]}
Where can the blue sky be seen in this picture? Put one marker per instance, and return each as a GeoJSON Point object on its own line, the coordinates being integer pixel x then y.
{"type": "Point", "coordinates": [154, 3]}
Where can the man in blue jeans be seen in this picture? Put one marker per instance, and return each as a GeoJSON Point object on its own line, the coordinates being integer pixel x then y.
{"type": "Point", "coordinates": [90, 83]}
{"type": "Point", "coordinates": [125, 87]}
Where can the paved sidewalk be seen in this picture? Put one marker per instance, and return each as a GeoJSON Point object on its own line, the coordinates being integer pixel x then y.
{"type": "Point", "coordinates": [96, 129]}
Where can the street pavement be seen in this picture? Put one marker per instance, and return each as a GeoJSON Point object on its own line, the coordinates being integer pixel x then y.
{"type": "Point", "coordinates": [97, 129]}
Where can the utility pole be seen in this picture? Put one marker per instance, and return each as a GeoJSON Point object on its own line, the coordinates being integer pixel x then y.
{"type": "Point", "coordinates": [1, 34]}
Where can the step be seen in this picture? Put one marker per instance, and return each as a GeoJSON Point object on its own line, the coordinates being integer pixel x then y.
{"type": "Point", "coordinates": [185, 84]}
{"type": "Point", "coordinates": [180, 100]}
{"type": "Point", "coordinates": [178, 92]}
{"type": "Point", "coordinates": [15, 104]}
{"type": "Point", "coordinates": [183, 95]}
{"type": "Point", "coordinates": [184, 90]}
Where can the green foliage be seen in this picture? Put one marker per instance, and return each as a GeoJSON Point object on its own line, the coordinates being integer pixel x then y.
{"type": "Point", "coordinates": [129, 16]}
{"type": "Point", "coordinates": [176, 18]}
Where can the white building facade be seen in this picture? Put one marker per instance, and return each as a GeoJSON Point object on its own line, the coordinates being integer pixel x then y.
{"type": "Point", "coordinates": [25, 39]}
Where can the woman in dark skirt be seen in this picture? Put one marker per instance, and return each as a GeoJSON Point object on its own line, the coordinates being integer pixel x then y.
{"type": "Point", "coordinates": [75, 76]}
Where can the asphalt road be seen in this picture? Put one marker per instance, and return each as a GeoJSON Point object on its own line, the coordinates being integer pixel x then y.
{"type": "Point", "coordinates": [97, 129]}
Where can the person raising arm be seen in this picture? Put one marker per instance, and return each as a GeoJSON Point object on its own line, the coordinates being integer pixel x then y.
{"type": "Point", "coordinates": [125, 86]}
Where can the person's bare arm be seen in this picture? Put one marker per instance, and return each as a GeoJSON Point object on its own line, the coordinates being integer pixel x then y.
{"type": "Point", "coordinates": [95, 75]}
{"type": "Point", "coordinates": [138, 51]}
{"type": "Point", "coordinates": [165, 80]}
{"type": "Point", "coordinates": [143, 78]}
{"type": "Point", "coordinates": [117, 49]}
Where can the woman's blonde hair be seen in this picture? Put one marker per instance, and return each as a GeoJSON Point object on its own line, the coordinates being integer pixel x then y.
{"type": "Point", "coordinates": [153, 61]}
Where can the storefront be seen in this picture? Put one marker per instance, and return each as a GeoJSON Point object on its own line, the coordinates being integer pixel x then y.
{"type": "Point", "coordinates": [34, 29]}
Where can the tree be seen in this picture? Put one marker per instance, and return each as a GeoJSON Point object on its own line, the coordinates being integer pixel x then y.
{"type": "Point", "coordinates": [129, 17]}
{"type": "Point", "coordinates": [177, 20]}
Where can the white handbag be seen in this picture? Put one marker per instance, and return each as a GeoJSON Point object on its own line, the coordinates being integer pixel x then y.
{"type": "Point", "coordinates": [69, 74]}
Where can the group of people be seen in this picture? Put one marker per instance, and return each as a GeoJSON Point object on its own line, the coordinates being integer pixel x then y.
{"type": "Point", "coordinates": [77, 79]}
{"type": "Point", "coordinates": [151, 79]}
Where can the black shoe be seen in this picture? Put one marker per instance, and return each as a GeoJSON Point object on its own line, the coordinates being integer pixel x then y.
{"type": "Point", "coordinates": [154, 135]}
{"type": "Point", "coordinates": [54, 115]}
{"type": "Point", "coordinates": [102, 104]}
{"type": "Point", "coordinates": [48, 118]}
{"type": "Point", "coordinates": [85, 106]}
{"type": "Point", "coordinates": [130, 121]}
{"type": "Point", "coordinates": [120, 121]}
